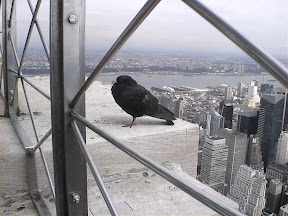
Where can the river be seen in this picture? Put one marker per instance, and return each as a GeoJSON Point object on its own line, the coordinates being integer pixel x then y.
{"type": "Point", "coordinates": [194, 81]}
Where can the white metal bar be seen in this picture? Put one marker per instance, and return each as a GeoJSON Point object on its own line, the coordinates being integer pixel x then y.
{"type": "Point", "coordinates": [30, 33]}
{"type": "Point", "coordinates": [94, 170]}
{"type": "Point", "coordinates": [134, 24]}
{"type": "Point", "coordinates": [42, 141]}
{"type": "Point", "coordinates": [37, 139]}
{"type": "Point", "coordinates": [40, 32]}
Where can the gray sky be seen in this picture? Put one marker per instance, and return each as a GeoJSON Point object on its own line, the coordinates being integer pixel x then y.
{"type": "Point", "coordinates": [174, 26]}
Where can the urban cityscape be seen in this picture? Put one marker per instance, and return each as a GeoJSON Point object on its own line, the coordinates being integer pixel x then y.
{"type": "Point", "coordinates": [156, 62]}
{"type": "Point", "coordinates": [243, 151]}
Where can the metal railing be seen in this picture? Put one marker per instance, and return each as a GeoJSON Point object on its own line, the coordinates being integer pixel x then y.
{"type": "Point", "coordinates": [12, 73]}
{"type": "Point", "coordinates": [68, 103]}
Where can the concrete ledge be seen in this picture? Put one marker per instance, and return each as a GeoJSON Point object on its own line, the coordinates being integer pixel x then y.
{"type": "Point", "coordinates": [176, 144]}
{"type": "Point", "coordinates": [139, 194]}
{"type": "Point", "coordinates": [150, 136]}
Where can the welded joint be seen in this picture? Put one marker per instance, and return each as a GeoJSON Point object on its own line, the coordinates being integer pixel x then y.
{"type": "Point", "coordinates": [29, 151]}
{"type": "Point", "coordinates": [17, 76]}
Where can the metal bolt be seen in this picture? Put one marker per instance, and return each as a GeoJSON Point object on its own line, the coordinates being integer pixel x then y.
{"type": "Point", "coordinates": [74, 197]}
{"type": "Point", "coordinates": [73, 19]}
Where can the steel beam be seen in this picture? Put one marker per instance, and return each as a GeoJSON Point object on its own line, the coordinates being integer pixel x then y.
{"type": "Point", "coordinates": [67, 27]}
{"type": "Point", "coordinates": [8, 61]}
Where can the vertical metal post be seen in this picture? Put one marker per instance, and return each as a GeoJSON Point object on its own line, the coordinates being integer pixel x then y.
{"type": "Point", "coordinates": [8, 59]}
{"type": "Point", "coordinates": [67, 27]}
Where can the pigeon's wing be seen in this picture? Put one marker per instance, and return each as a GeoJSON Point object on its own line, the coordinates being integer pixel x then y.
{"type": "Point", "coordinates": [140, 101]}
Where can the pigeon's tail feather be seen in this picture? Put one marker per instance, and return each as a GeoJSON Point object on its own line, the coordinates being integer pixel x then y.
{"type": "Point", "coordinates": [164, 113]}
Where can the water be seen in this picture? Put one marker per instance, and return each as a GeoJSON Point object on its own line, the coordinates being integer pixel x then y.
{"type": "Point", "coordinates": [194, 81]}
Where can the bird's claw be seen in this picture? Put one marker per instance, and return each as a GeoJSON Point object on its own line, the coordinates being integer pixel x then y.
{"type": "Point", "coordinates": [129, 125]}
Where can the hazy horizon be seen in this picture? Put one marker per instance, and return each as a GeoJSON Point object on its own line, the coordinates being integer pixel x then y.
{"type": "Point", "coordinates": [174, 27]}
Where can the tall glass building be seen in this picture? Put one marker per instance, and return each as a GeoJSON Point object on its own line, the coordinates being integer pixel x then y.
{"type": "Point", "coordinates": [270, 125]}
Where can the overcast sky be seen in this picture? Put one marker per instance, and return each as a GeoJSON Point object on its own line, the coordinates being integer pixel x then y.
{"type": "Point", "coordinates": [173, 26]}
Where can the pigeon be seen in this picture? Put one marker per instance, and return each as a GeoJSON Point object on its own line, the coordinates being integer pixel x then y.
{"type": "Point", "coordinates": [137, 101]}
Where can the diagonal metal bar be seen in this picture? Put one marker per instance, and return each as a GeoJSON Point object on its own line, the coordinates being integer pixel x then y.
{"type": "Point", "coordinates": [31, 166]}
{"type": "Point", "coordinates": [14, 71]}
{"type": "Point", "coordinates": [31, 84]}
{"type": "Point", "coordinates": [134, 24]}
{"type": "Point", "coordinates": [37, 139]}
{"type": "Point", "coordinates": [94, 170]}
{"type": "Point", "coordinates": [40, 32]}
{"type": "Point", "coordinates": [14, 49]}
{"type": "Point", "coordinates": [30, 32]}
{"type": "Point", "coordinates": [47, 172]}
{"type": "Point", "coordinates": [42, 141]}
{"type": "Point", "coordinates": [36, 88]}
{"type": "Point", "coordinates": [19, 73]}
{"type": "Point", "coordinates": [11, 13]}
{"type": "Point", "coordinates": [202, 196]}
{"type": "Point", "coordinates": [272, 65]}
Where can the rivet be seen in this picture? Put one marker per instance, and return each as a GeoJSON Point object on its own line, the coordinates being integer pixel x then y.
{"type": "Point", "coordinates": [74, 197]}
{"type": "Point", "coordinates": [73, 19]}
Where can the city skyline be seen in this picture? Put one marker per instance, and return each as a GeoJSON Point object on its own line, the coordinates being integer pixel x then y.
{"type": "Point", "coordinates": [170, 20]}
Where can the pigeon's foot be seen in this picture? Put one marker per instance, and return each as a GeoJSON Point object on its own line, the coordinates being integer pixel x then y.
{"type": "Point", "coordinates": [132, 123]}
{"type": "Point", "coordinates": [129, 125]}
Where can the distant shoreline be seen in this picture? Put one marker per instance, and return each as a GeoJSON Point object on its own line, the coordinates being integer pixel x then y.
{"type": "Point", "coordinates": [47, 73]}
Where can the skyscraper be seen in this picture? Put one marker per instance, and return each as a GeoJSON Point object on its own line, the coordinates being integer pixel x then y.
{"type": "Point", "coordinates": [282, 149]}
{"type": "Point", "coordinates": [270, 125]}
{"type": "Point", "coordinates": [248, 122]}
{"type": "Point", "coordinates": [237, 145]}
{"type": "Point", "coordinates": [240, 89]}
{"type": "Point", "coordinates": [226, 110]}
{"type": "Point", "coordinates": [254, 154]}
{"type": "Point", "coordinates": [273, 196]}
{"type": "Point", "coordinates": [279, 168]}
{"type": "Point", "coordinates": [179, 108]}
{"type": "Point", "coordinates": [228, 93]}
{"type": "Point", "coordinates": [252, 98]}
{"type": "Point", "coordinates": [266, 88]}
{"type": "Point", "coordinates": [248, 190]}
{"type": "Point", "coordinates": [213, 164]}
{"type": "Point", "coordinates": [277, 171]}
{"type": "Point", "coordinates": [214, 122]}
{"type": "Point", "coordinates": [252, 89]}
